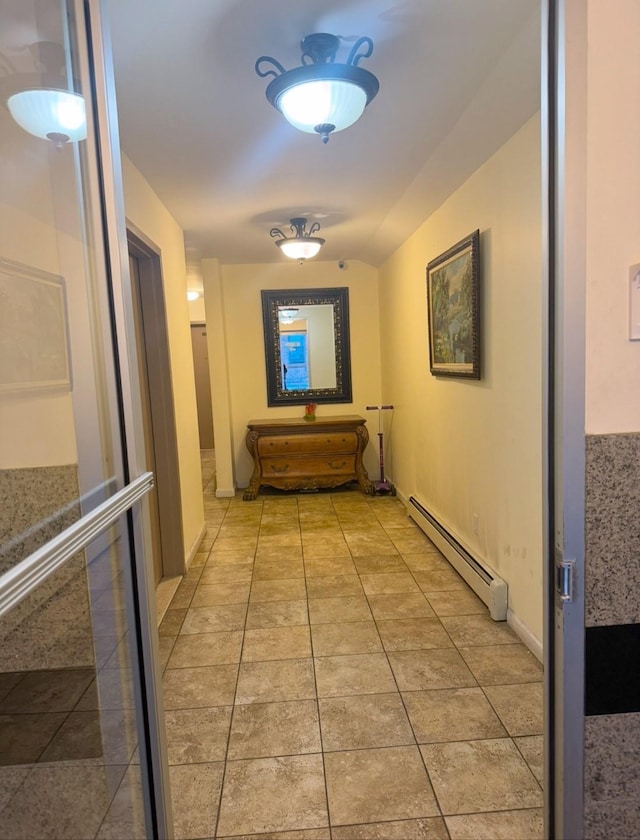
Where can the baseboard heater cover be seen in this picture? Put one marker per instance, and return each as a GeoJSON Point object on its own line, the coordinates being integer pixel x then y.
{"type": "Point", "coordinates": [486, 584]}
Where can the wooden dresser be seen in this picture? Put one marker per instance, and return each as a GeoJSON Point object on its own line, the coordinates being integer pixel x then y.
{"type": "Point", "coordinates": [298, 454]}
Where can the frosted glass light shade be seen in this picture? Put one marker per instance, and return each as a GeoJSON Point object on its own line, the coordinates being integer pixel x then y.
{"type": "Point", "coordinates": [303, 245]}
{"type": "Point", "coordinates": [50, 114]}
{"type": "Point", "coordinates": [299, 249]}
{"type": "Point", "coordinates": [321, 96]}
{"type": "Point", "coordinates": [192, 295]}
{"type": "Point", "coordinates": [333, 101]}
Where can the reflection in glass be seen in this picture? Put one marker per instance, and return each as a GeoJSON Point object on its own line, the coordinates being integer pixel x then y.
{"type": "Point", "coordinates": [69, 723]}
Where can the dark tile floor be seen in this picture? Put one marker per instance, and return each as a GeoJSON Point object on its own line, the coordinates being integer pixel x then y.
{"type": "Point", "coordinates": [328, 675]}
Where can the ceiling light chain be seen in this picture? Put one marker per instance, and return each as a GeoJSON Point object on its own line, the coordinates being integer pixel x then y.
{"type": "Point", "coordinates": [321, 96]}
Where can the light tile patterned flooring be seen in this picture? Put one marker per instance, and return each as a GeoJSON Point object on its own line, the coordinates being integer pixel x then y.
{"type": "Point", "coordinates": [329, 676]}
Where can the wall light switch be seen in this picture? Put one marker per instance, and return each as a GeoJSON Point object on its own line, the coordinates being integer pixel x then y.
{"type": "Point", "coordinates": [634, 303]}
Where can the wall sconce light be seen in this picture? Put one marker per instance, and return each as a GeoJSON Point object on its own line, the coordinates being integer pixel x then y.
{"type": "Point", "coordinates": [321, 96]}
{"type": "Point", "coordinates": [192, 295]}
{"type": "Point", "coordinates": [303, 245]}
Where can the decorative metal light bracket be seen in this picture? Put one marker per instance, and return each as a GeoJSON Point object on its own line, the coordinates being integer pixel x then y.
{"type": "Point", "coordinates": [298, 228]}
{"type": "Point", "coordinates": [319, 64]}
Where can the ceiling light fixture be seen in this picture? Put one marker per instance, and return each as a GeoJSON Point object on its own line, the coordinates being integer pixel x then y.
{"type": "Point", "coordinates": [41, 102]}
{"type": "Point", "coordinates": [287, 315]}
{"type": "Point", "coordinates": [322, 96]}
{"type": "Point", "coordinates": [49, 113]}
{"type": "Point", "coordinates": [303, 245]}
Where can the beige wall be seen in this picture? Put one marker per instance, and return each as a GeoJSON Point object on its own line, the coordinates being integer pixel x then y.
{"type": "Point", "coordinates": [219, 378]}
{"type": "Point", "coordinates": [144, 209]}
{"type": "Point", "coordinates": [196, 311]}
{"type": "Point", "coordinates": [241, 286]}
{"type": "Point", "coordinates": [465, 447]}
{"type": "Point", "coordinates": [603, 219]}
{"type": "Point", "coordinates": [613, 215]}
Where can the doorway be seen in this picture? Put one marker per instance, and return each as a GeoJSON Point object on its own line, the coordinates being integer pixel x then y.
{"type": "Point", "coordinates": [157, 407]}
{"type": "Point", "coordinates": [203, 384]}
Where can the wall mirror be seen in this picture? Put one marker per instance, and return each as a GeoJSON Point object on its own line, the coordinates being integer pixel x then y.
{"type": "Point", "coordinates": [306, 340]}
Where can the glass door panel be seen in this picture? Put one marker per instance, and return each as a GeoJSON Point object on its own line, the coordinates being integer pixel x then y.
{"type": "Point", "coordinates": [68, 714]}
{"type": "Point", "coordinates": [76, 647]}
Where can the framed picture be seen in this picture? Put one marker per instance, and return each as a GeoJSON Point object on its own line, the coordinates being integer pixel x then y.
{"type": "Point", "coordinates": [453, 300]}
{"type": "Point", "coordinates": [34, 341]}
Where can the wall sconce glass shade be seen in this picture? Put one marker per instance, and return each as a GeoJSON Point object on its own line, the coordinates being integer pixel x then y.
{"type": "Point", "coordinates": [303, 245]}
{"type": "Point", "coordinates": [57, 115]}
{"type": "Point", "coordinates": [192, 295]}
{"type": "Point", "coordinates": [321, 96]}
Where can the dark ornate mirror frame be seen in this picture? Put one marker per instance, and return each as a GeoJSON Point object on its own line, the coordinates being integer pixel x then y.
{"type": "Point", "coordinates": [274, 298]}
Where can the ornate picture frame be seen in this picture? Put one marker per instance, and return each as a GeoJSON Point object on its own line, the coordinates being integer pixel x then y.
{"type": "Point", "coordinates": [333, 385]}
{"type": "Point", "coordinates": [453, 303]}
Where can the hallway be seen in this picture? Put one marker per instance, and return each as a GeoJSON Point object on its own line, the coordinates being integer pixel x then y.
{"type": "Point", "coordinates": [328, 675]}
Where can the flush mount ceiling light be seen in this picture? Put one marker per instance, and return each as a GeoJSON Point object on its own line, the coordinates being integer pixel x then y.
{"type": "Point", "coordinates": [321, 96]}
{"type": "Point", "coordinates": [41, 102]}
{"type": "Point", "coordinates": [303, 245]}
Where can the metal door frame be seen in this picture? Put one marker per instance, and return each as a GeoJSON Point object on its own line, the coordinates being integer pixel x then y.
{"type": "Point", "coordinates": [147, 674]}
{"type": "Point", "coordinates": [564, 145]}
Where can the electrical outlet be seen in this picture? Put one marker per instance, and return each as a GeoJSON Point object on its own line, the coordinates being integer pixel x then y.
{"type": "Point", "coordinates": [476, 524]}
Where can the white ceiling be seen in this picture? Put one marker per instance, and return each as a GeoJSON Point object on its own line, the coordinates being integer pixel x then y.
{"type": "Point", "coordinates": [457, 78]}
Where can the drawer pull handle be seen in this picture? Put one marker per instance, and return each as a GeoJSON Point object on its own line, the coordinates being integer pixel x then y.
{"type": "Point", "coordinates": [277, 468]}
{"type": "Point", "coordinates": [336, 466]}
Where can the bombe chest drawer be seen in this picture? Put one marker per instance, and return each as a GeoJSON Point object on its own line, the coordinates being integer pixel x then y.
{"type": "Point", "coordinates": [296, 454]}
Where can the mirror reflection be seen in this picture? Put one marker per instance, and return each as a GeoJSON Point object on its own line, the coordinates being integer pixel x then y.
{"type": "Point", "coordinates": [307, 348]}
{"type": "Point", "coordinates": [306, 334]}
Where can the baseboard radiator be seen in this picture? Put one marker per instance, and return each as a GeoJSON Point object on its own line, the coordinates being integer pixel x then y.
{"type": "Point", "coordinates": [485, 583]}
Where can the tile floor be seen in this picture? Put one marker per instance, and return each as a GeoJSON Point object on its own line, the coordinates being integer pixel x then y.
{"type": "Point", "coordinates": [329, 676]}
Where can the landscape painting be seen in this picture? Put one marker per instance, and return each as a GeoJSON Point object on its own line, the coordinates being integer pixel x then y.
{"type": "Point", "coordinates": [453, 299]}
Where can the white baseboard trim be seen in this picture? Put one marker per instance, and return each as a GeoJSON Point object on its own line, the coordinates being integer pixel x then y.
{"type": "Point", "coordinates": [165, 591]}
{"type": "Point", "coordinates": [195, 546]}
{"type": "Point", "coordinates": [519, 627]}
{"type": "Point", "coordinates": [221, 493]}
{"type": "Point", "coordinates": [167, 587]}
{"type": "Point", "coordinates": [475, 571]}
{"type": "Point", "coordinates": [525, 635]}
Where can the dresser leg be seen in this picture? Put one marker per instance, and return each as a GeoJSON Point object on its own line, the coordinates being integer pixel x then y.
{"type": "Point", "coordinates": [251, 492]}
{"type": "Point", "coordinates": [367, 487]}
